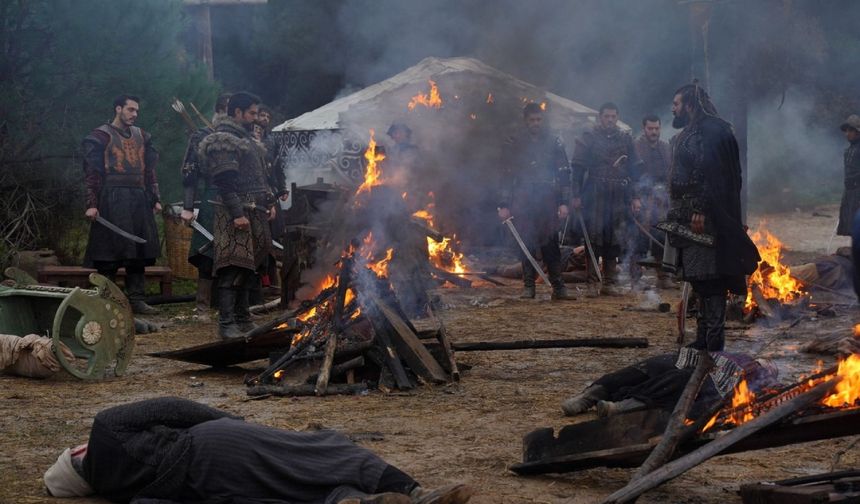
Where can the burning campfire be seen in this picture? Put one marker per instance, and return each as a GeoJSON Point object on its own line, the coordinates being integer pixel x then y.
{"type": "Point", "coordinates": [772, 281]}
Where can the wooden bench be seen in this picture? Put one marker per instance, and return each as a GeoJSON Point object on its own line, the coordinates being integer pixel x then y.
{"type": "Point", "coordinates": [77, 276]}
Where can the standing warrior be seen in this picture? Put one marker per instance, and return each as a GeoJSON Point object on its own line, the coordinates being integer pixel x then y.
{"type": "Point", "coordinates": [236, 163]}
{"type": "Point", "coordinates": [653, 188]}
{"type": "Point", "coordinates": [122, 188]}
{"type": "Point", "coordinates": [605, 167]}
{"type": "Point", "coordinates": [851, 196]}
{"type": "Point", "coordinates": [536, 193]}
{"type": "Point", "coordinates": [704, 222]}
{"type": "Point", "coordinates": [200, 253]}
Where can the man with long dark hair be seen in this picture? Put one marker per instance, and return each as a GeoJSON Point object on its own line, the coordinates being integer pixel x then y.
{"type": "Point", "coordinates": [705, 222]}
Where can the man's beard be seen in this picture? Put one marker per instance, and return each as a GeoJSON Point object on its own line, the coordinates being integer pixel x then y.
{"type": "Point", "coordinates": [680, 121]}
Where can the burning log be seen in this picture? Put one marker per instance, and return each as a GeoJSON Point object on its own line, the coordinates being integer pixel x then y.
{"type": "Point", "coordinates": [339, 369]}
{"type": "Point", "coordinates": [409, 346]}
{"type": "Point", "coordinates": [696, 457]}
{"type": "Point", "coordinates": [306, 389]}
{"type": "Point", "coordinates": [451, 277]}
{"type": "Point", "coordinates": [337, 325]}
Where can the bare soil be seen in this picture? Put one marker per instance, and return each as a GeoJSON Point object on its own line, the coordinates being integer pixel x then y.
{"type": "Point", "coordinates": [470, 431]}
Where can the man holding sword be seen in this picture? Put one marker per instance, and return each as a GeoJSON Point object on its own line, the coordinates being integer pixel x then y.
{"type": "Point", "coordinates": [122, 197]}
{"type": "Point", "coordinates": [535, 195]}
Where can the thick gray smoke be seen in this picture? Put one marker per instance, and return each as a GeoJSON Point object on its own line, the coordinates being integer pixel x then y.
{"type": "Point", "coordinates": [794, 160]}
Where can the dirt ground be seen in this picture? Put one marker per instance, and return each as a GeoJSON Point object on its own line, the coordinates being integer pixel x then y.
{"type": "Point", "coordinates": [470, 431]}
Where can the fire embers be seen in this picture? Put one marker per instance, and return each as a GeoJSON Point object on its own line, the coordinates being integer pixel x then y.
{"type": "Point", "coordinates": [746, 405]}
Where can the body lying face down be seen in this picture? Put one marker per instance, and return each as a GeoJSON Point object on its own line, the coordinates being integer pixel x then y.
{"type": "Point", "coordinates": [173, 450]}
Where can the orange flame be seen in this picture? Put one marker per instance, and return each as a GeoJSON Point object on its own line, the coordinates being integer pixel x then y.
{"type": "Point", "coordinates": [772, 277]}
{"type": "Point", "coordinates": [433, 100]}
{"type": "Point", "coordinates": [278, 374]}
{"type": "Point", "coordinates": [848, 390]}
{"type": "Point", "coordinates": [741, 398]}
{"type": "Point", "coordinates": [380, 267]}
{"type": "Point", "coordinates": [373, 173]}
{"type": "Point", "coordinates": [473, 116]}
{"type": "Point", "coordinates": [444, 257]}
{"type": "Point", "coordinates": [543, 106]}
{"type": "Point", "coordinates": [490, 99]}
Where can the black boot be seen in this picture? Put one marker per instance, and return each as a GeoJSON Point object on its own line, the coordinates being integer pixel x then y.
{"type": "Point", "coordinates": [227, 327]}
{"type": "Point", "coordinates": [135, 287]}
{"type": "Point", "coordinates": [714, 318]}
{"type": "Point", "coordinates": [204, 299]}
{"type": "Point", "coordinates": [529, 276]}
{"type": "Point", "coordinates": [559, 291]}
{"type": "Point", "coordinates": [243, 313]}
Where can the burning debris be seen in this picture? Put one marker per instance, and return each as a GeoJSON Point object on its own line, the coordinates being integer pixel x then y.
{"type": "Point", "coordinates": [431, 100]}
{"type": "Point", "coordinates": [772, 282]}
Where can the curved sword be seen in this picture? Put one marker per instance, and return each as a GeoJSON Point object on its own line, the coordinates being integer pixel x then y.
{"type": "Point", "coordinates": [510, 223]}
{"type": "Point", "coordinates": [113, 227]}
{"type": "Point", "coordinates": [588, 246]}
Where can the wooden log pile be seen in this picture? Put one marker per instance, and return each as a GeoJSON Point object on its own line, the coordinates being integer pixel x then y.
{"type": "Point", "coordinates": [361, 338]}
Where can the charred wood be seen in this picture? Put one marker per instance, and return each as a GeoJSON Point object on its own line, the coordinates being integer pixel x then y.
{"type": "Point", "coordinates": [478, 346]}
{"type": "Point", "coordinates": [306, 389]}
{"type": "Point", "coordinates": [677, 467]}
{"type": "Point", "coordinates": [339, 369]}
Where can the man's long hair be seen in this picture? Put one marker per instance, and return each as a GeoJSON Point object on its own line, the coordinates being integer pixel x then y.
{"type": "Point", "coordinates": [698, 99]}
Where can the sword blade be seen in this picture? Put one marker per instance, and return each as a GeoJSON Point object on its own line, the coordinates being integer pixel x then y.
{"type": "Point", "coordinates": [510, 223]}
{"type": "Point", "coordinates": [113, 227]}
{"type": "Point", "coordinates": [202, 230]}
{"type": "Point", "coordinates": [588, 247]}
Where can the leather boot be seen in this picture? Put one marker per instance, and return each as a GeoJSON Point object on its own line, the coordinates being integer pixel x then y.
{"type": "Point", "coordinates": [609, 408]}
{"type": "Point", "coordinates": [583, 401]}
{"type": "Point", "coordinates": [529, 276]}
{"type": "Point", "coordinates": [457, 493]}
{"type": "Point", "coordinates": [204, 299]}
{"type": "Point", "coordinates": [243, 313]}
{"type": "Point", "coordinates": [713, 318]}
{"type": "Point", "coordinates": [610, 278]}
{"type": "Point", "coordinates": [135, 286]}
{"type": "Point", "coordinates": [559, 291]}
{"type": "Point", "coordinates": [227, 327]}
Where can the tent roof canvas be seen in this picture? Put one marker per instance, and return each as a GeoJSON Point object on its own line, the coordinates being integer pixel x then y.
{"type": "Point", "coordinates": [333, 115]}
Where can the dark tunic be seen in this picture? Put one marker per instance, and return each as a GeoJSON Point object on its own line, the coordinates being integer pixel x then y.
{"type": "Point", "coordinates": [537, 182]}
{"type": "Point", "coordinates": [653, 185]}
{"type": "Point", "coordinates": [706, 178]}
{"type": "Point", "coordinates": [658, 382]}
{"type": "Point", "coordinates": [236, 162]}
{"type": "Point", "coordinates": [192, 174]}
{"type": "Point", "coordinates": [181, 451]}
{"type": "Point", "coordinates": [605, 186]}
{"type": "Point", "coordinates": [851, 196]}
{"type": "Point", "coordinates": [119, 172]}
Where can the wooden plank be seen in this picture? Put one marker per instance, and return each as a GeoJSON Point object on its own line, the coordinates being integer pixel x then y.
{"type": "Point", "coordinates": [409, 346]}
{"type": "Point", "coordinates": [305, 389]}
{"type": "Point", "coordinates": [390, 355]}
{"type": "Point", "coordinates": [445, 343]}
{"type": "Point", "coordinates": [681, 465]}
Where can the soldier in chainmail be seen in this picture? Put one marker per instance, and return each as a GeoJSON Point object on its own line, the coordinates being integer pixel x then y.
{"type": "Point", "coordinates": [536, 193]}
{"type": "Point", "coordinates": [605, 168]}
{"type": "Point", "coordinates": [714, 252]}
{"type": "Point", "coordinates": [122, 188]}
{"type": "Point", "coordinates": [851, 196]}
{"type": "Point", "coordinates": [653, 190]}
{"type": "Point", "coordinates": [200, 253]}
{"type": "Point", "coordinates": [236, 163]}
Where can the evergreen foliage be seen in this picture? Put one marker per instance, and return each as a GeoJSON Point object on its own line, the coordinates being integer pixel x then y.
{"type": "Point", "coordinates": [63, 63]}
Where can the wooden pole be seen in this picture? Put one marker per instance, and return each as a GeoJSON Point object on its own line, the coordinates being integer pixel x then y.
{"type": "Point", "coordinates": [672, 436]}
{"type": "Point", "coordinates": [564, 343]}
{"type": "Point", "coordinates": [677, 467]}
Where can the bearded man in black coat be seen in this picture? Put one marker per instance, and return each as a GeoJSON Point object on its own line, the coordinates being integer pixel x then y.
{"type": "Point", "coordinates": [704, 222]}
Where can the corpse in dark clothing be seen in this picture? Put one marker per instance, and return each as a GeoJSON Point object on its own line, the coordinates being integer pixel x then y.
{"type": "Point", "coordinates": [171, 450]}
